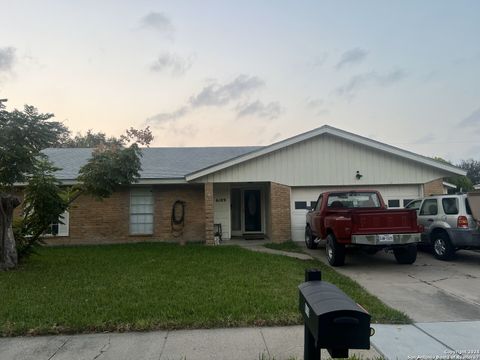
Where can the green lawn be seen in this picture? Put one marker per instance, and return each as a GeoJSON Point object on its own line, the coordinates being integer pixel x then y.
{"type": "Point", "coordinates": [159, 286]}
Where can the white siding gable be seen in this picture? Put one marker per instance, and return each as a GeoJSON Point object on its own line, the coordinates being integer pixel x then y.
{"type": "Point", "coordinates": [330, 161]}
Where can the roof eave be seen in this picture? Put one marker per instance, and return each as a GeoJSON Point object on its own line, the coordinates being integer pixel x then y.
{"type": "Point", "coordinates": [453, 170]}
{"type": "Point", "coordinates": [71, 182]}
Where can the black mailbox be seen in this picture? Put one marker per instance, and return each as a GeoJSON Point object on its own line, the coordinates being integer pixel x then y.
{"type": "Point", "coordinates": [333, 321]}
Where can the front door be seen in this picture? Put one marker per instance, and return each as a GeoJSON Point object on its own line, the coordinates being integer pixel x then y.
{"type": "Point", "coordinates": [252, 211]}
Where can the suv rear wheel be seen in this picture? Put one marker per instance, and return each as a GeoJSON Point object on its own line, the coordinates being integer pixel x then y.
{"type": "Point", "coordinates": [309, 240]}
{"type": "Point", "coordinates": [405, 254]}
{"type": "Point", "coordinates": [335, 251]}
{"type": "Point", "coordinates": [442, 246]}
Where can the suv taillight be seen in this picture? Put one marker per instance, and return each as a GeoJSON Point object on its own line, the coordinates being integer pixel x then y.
{"type": "Point", "coordinates": [462, 222]}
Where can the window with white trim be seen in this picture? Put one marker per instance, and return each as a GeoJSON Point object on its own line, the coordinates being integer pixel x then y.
{"type": "Point", "coordinates": [141, 211]}
{"type": "Point", "coordinates": [60, 228]}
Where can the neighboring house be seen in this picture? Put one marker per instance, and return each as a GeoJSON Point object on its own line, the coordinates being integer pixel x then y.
{"type": "Point", "coordinates": [439, 187]}
{"type": "Point", "coordinates": [250, 191]}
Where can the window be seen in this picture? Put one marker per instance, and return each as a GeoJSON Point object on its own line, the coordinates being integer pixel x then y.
{"type": "Point", "coordinates": [406, 201]}
{"type": "Point", "coordinates": [319, 203]}
{"type": "Point", "coordinates": [141, 211]}
{"type": "Point", "coordinates": [313, 204]}
{"type": "Point", "coordinates": [429, 207]}
{"type": "Point", "coordinates": [414, 204]}
{"type": "Point", "coordinates": [353, 200]}
{"type": "Point", "coordinates": [393, 203]}
{"type": "Point", "coordinates": [450, 206]}
{"type": "Point", "coordinates": [59, 228]}
{"type": "Point", "coordinates": [299, 205]}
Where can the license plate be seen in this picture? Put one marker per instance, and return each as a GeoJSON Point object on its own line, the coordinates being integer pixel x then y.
{"type": "Point", "coordinates": [387, 238]}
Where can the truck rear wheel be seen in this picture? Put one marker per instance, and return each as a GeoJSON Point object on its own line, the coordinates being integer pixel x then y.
{"type": "Point", "coordinates": [405, 254]}
{"type": "Point", "coordinates": [442, 246]}
{"type": "Point", "coordinates": [309, 240]}
{"type": "Point", "coordinates": [335, 251]}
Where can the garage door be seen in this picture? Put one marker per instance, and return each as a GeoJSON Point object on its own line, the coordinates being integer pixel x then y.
{"type": "Point", "coordinates": [395, 196]}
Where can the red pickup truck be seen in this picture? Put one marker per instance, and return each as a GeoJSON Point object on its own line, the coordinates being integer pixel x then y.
{"type": "Point", "coordinates": [360, 218]}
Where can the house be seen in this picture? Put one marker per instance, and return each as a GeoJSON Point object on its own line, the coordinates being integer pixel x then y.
{"type": "Point", "coordinates": [249, 191]}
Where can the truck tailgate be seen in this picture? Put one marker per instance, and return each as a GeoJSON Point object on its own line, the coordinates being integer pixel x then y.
{"type": "Point", "coordinates": [393, 221]}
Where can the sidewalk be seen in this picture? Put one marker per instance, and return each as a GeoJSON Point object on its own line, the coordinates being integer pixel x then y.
{"type": "Point", "coordinates": [266, 343]}
{"type": "Point", "coordinates": [418, 341]}
{"type": "Point", "coordinates": [438, 340]}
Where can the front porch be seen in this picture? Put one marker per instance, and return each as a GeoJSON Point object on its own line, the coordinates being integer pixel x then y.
{"type": "Point", "coordinates": [252, 211]}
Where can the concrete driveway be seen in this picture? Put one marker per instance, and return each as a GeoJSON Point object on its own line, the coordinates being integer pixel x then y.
{"type": "Point", "coordinates": [430, 290]}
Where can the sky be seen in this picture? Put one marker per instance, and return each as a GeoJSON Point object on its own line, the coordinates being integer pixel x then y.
{"type": "Point", "coordinates": [228, 73]}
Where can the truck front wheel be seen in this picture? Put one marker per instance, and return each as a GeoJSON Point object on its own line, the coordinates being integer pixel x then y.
{"type": "Point", "coordinates": [335, 251]}
{"type": "Point", "coordinates": [309, 240]}
{"type": "Point", "coordinates": [405, 254]}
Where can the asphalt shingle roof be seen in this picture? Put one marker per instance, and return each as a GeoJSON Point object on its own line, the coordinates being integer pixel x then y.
{"type": "Point", "coordinates": [157, 163]}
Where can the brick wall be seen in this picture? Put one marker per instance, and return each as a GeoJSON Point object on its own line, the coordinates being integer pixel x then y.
{"type": "Point", "coordinates": [94, 221]}
{"type": "Point", "coordinates": [279, 222]}
{"type": "Point", "coordinates": [194, 224]}
{"type": "Point", "coordinates": [434, 187]}
{"type": "Point", "coordinates": [107, 221]}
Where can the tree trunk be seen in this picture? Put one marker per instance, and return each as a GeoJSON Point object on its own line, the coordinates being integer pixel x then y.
{"type": "Point", "coordinates": [8, 250]}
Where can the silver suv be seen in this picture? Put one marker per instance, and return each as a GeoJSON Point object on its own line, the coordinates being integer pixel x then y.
{"type": "Point", "coordinates": [448, 222]}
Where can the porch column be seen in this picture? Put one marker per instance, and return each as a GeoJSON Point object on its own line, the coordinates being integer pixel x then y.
{"type": "Point", "coordinates": [208, 191]}
{"type": "Point", "coordinates": [280, 217]}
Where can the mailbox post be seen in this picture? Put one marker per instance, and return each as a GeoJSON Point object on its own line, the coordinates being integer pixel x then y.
{"type": "Point", "coordinates": [333, 321]}
{"type": "Point", "coordinates": [310, 349]}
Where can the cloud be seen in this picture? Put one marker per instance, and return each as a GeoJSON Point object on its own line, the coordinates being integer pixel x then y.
{"type": "Point", "coordinates": [352, 57]}
{"type": "Point", "coordinates": [257, 108]}
{"type": "Point", "coordinates": [163, 118]}
{"type": "Point", "coordinates": [359, 82]}
{"type": "Point", "coordinates": [354, 84]}
{"type": "Point", "coordinates": [159, 22]}
{"type": "Point", "coordinates": [472, 120]}
{"type": "Point", "coordinates": [7, 59]}
{"type": "Point", "coordinates": [218, 95]}
{"type": "Point", "coordinates": [391, 78]}
{"type": "Point", "coordinates": [172, 63]}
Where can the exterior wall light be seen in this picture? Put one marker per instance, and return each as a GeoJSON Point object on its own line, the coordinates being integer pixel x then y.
{"type": "Point", "coordinates": [358, 175]}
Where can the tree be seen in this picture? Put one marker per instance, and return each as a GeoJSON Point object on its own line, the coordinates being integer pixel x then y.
{"type": "Point", "coordinates": [89, 140]}
{"type": "Point", "coordinates": [114, 163]}
{"type": "Point", "coordinates": [23, 134]}
{"type": "Point", "coordinates": [463, 183]}
{"type": "Point", "coordinates": [93, 139]}
{"type": "Point", "coordinates": [473, 169]}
